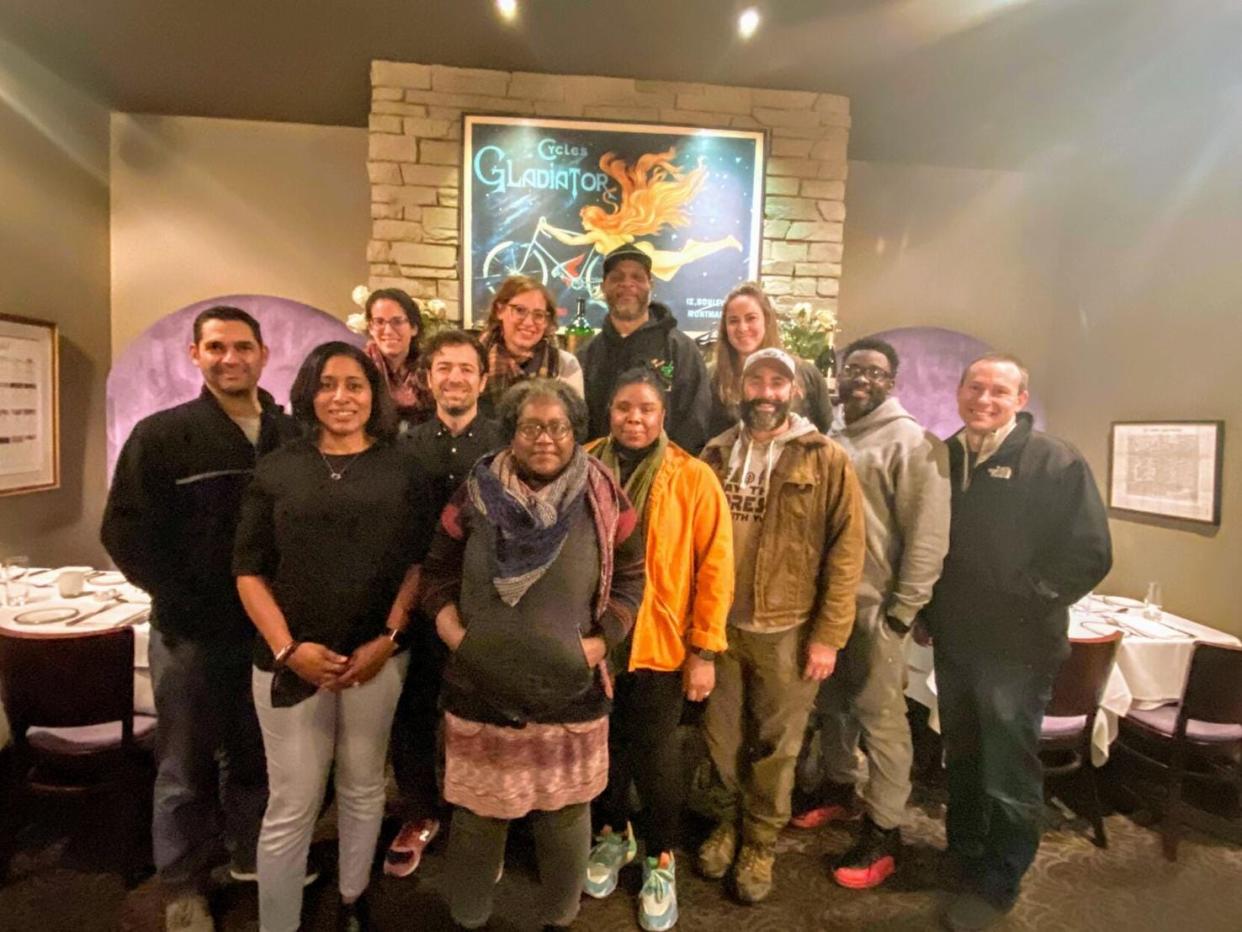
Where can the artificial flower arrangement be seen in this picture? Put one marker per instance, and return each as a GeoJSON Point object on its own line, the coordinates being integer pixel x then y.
{"type": "Point", "coordinates": [433, 313]}
{"type": "Point", "coordinates": [808, 331]}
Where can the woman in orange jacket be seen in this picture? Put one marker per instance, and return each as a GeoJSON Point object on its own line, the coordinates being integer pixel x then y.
{"type": "Point", "coordinates": [671, 652]}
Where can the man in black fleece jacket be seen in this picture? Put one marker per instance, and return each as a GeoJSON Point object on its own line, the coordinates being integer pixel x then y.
{"type": "Point", "coordinates": [640, 332]}
{"type": "Point", "coordinates": [169, 526]}
{"type": "Point", "coordinates": [1028, 538]}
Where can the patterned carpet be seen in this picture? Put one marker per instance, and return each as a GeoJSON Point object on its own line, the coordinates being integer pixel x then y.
{"type": "Point", "coordinates": [60, 884]}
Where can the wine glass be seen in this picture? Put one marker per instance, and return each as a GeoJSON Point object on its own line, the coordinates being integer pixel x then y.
{"type": "Point", "coordinates": [15, 586]}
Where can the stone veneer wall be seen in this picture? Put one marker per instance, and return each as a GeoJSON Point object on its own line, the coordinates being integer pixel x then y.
{"type": "Point", "coordinates": [414, 163]}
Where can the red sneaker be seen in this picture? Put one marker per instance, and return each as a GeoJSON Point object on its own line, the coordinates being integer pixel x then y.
{"type": "Point", "coordinates": [822, 815]}
{"type": "Point", "coordinates": [406, 850]}
{"type": "Point", "coordinates": [871, 861]}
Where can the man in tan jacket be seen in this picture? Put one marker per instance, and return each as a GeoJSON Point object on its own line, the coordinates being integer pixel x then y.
{"type": "Point", "coordinates": [798, 533]}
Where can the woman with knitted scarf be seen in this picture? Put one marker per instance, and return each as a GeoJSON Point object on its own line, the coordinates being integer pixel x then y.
{"type": "Point", "coordinates": [520, 339]}
{"type": "Point", "coordinates": [394, 326]}
{"type": "Point", "coordinates": [535, 573]}
{"type": "Point", "coordinates": [688, 536]}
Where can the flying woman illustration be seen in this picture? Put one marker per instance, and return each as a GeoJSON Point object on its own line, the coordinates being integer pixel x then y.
{"type": "Point", "coordinates": [654, 194]}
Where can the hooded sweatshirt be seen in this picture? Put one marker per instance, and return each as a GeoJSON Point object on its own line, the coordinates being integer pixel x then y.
{"type": "Point", "coordinates": [746, 489]}
{"type": "Point", "coordinates": [659, 344]}
{"type": "Point", "coordinates": [904, 474]}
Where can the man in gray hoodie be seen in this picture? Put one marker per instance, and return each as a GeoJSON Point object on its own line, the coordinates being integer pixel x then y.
{"type": "Point", "coordinates": [904, 474]}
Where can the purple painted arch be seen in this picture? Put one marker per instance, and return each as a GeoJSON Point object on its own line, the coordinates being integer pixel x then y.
{"type": "Point", "coordinates": [155, 370]}
{"type": "Point", "coordinates": [931, 364]}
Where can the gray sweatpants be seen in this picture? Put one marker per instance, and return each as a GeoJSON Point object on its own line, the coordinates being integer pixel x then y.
{"type": "Point", "coordinates": [865, 696]}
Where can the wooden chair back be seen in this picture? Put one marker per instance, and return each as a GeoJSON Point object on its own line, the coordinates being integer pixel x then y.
{"type": "Point", "coordinates": [1081, 680]}
{"type": "Point", "coordinates": [1213, 686]}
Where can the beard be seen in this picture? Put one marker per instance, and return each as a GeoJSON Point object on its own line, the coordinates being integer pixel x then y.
{"type": "Point", "coordinates": [628, 309]}
{"type": "Point", "coordinates": [764, 421]}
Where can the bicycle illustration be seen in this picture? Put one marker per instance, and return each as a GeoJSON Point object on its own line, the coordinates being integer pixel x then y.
{"type": "Point", "coordinates": [581, 273]}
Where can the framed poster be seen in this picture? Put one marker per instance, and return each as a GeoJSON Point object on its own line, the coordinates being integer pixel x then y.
{"type": "Point", "coordinates": [550, 198]}
{"type": "Point", "coordinates": [29, 405]}
{"type": "Point", "coordinates": [1167, 468]}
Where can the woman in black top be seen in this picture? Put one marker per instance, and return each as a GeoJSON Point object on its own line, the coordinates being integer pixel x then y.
{"type": "Point", "coordinates": [331, 532]}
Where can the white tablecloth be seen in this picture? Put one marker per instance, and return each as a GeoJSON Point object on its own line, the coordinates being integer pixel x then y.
{"type": "Point", "coordinates": [132, 610]}
{"type": "Point", "coordinates": [1151, 666]}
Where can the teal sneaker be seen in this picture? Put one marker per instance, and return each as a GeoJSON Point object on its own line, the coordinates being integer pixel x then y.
{"type": "Point", "coordinates": [657, 903]}
{"type": "Point", "coordinates": [611, 853]}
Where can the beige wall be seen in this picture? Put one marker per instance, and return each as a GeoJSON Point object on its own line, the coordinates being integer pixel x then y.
{"type": "Point", "coordinates": [54, 266]}
{"type": "Point", "coordinates": [204, 207]}
{"type": "Point", "coordinates": [968, 250]}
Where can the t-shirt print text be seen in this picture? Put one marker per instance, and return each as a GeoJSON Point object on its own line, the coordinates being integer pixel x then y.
{"type": "Point", "coordinates": [746, 502]}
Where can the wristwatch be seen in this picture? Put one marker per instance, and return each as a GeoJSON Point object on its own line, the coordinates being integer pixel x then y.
{"type": "Point", "coordinates": [398, 636]}
{"type": "Point", "coordinates": [703, 653]}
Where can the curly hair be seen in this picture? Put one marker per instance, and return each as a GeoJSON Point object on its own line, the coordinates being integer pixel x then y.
{"type": "Point", "coordinates": [654, 194]}
{"type": "Point", "coordinates": [523, 393]}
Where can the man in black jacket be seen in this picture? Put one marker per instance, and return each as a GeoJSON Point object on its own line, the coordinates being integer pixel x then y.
{"type": "Point", "coordinates": [169, 525]}
{"type": "Point", "coordinates": [1029, 537]}
{"type": "Point", "coordinates": [640, 332]}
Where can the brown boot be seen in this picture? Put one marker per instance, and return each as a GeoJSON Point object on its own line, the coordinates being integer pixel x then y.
{"type": "Point", "coordinates": [752, 877]}
{"type": "Point", "coordinates": [716, 854]}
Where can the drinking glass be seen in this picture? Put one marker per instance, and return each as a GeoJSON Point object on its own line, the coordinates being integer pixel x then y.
{"type": "Point", "coordinates": [15, 586]}
{"type": "Point", "coordinates": [1152, 602]}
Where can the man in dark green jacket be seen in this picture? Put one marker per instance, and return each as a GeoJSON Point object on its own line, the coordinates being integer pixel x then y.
{"type": "Point", "coordinates": [1028, 538]}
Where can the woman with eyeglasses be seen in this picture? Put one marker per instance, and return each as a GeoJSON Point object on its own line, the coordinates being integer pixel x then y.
{"type": "Point", "coordinates": [748, 323]}
{"type": "Point", "coordinates": [395, 326]}
{"type": "Point", "coordinates": [331, 531]}
{"type": "Point", "coordinates": [520, 339]}
{"type": "Point", "coordinates": [534, 574]}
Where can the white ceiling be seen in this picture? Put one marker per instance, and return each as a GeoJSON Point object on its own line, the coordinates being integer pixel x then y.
{"type": "Point", "coordinates": [999, 83]}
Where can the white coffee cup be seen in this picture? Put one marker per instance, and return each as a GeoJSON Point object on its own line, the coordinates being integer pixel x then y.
{"type": "Point", "coordinates": [70, 583]}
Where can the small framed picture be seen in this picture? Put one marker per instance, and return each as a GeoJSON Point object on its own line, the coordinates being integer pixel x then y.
{"type": "Point", "coordinates": [1170, 469]}
{"type": "Point", "coordinates": [29, 405]}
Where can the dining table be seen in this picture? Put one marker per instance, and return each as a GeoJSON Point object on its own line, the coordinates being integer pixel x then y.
{"type": "Point", "coordinates": [1150, 669]}
{"type": "Point", "coordinates": [106, 601]}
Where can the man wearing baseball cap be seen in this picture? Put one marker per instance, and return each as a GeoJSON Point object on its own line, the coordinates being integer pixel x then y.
{"type": "Point", "coordinates": [641, 332]}
{"type": "Point", "coordinates": [798, 543]}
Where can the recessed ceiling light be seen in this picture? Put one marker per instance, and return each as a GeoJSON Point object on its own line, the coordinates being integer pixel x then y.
{"type": "Point", "coordinates": [748, 22]}
{"type": "Point", "coordinates": [507, 8]}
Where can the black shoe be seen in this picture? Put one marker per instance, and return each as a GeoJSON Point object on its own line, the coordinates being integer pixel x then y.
{"type": "Point", "coordinates": [355, 916]}
{"type": "Point", "coordinates": [871, 860]}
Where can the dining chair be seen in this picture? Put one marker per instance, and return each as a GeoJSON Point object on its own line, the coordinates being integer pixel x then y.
{"type": "Point", "coordinates": [1198, 738]}
{"type": "Point", "coordinates": [70, 703]}
{"type": "Point", "coordinates": [1065, 736]}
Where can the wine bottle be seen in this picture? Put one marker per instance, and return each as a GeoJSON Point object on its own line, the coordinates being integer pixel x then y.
{"type": "Point", "coordinates": [578, 332]}
{"type": "Point", "coordinates": [826, 363]}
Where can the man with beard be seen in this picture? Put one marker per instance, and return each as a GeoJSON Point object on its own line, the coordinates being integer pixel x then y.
{"type": "Point", "coordinates": [169, 526]}
{"type": "Point", "coordinates": [641, 332]}
{"type": "Point", "coordinates": [1029, 538]}
{"type": "Point", "coordinates": [904, 474]}
{"type": "Point", "coordinates": [798, 537]}
{"type": "Point", "coordinates": [455, 366]}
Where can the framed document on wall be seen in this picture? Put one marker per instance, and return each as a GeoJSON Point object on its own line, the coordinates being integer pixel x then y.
{"type": "Point", "coordinates": [29, 405]}
{"type": "Point", "coordinates": [1171, 469]}
{"type": "Point", "coordinates": [550, 198]}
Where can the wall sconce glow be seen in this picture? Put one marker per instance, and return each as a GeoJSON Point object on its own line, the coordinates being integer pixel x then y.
{"type": "Point", "coordinates": [507, 9]}
{"type": "Point", "coordinates": [748, 22]}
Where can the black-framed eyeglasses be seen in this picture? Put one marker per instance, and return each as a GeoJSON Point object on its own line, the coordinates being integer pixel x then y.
{"type": "Point", "coordinates": [557, 430]}
{"type": "Point", "coordinates": [871, 373]}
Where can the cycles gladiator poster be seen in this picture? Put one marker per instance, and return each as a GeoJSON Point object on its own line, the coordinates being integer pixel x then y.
{"type": "Point", "coordinates": [550, 198]}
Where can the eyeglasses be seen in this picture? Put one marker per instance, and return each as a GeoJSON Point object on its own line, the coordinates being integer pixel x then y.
{"type": "Point", "coordinates": [538, 314]}
{"type": "Point", "coordinates": [396, 323]}
{"type": "Point", "coordinates": [872, 373]}
{"type": "Point", "coordinates": [557, 430]}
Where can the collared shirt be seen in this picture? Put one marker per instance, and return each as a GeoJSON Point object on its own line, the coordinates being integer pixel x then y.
{"type": "Point", "coordinates": [991, 443]}
{"type": "Point", "coordinates": [446, 458]}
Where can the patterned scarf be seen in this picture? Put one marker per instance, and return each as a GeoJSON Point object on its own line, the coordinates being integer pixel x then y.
{"type": "Point", "coordinates": [531, 525]}
{"type": "Point", "coordinates": [638, 488]}
{"type": "Point", "coordinates": [411, 397]}
{"type": "Point", "coordinates": [504, 369]}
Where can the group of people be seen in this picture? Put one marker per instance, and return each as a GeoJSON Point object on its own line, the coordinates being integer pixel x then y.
{"type": "Point", "coordinates": [435, 558]}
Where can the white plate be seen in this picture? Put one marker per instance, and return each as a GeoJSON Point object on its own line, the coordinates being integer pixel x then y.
{"type": "Point", "coordinates": [46, 616]}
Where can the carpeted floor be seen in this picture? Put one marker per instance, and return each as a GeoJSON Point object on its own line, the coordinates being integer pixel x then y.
{"type": "Point", "coordinates": [65, 878]}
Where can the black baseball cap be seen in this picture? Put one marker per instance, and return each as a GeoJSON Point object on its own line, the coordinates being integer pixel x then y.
{"type": "Point", "coordinates": [627, 251]}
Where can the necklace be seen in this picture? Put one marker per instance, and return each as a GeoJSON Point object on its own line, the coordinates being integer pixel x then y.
{"type": "Point", "coordinates": [337, 474]}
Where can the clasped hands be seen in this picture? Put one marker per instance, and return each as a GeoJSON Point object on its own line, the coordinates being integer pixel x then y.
{"type": "Point", "coordinates": [323, 667]}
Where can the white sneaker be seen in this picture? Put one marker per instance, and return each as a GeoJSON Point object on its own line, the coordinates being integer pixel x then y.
{"type": "Point", "coordinates": [188, 913]}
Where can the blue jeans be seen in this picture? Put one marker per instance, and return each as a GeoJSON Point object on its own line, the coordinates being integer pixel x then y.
{"type": "Point", "coordinates": [991, 709]}
{"type": "Point", "coordinates": [211, 782]}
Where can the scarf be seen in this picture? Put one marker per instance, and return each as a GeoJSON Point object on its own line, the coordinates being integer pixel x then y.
{"type": "Point", "coordinates": [638, 487]}
{"type": "Point", "coordinates": [531, 524]}
{"type": "Point", "coordinates": [410, 396]}
{"type": "Point", "coordinates": [504, 369]}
